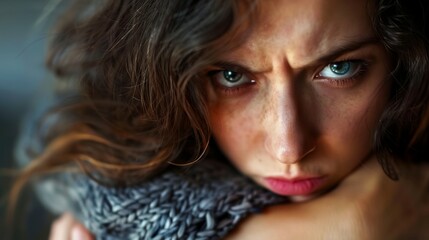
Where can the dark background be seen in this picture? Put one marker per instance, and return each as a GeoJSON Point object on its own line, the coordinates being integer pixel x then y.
{"type": "Point", "coordinates": [24, 26]}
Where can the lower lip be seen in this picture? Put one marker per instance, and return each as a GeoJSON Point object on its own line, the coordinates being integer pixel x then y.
{"type": "Point", "coordinates": [294, 188]}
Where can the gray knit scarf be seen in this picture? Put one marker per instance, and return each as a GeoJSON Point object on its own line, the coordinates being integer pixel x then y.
{"type": "Point", "coordinates": [204, 201]}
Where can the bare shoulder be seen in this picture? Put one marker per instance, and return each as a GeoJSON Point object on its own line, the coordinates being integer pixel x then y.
{"type": "Point", "coordinates": [300, 221]}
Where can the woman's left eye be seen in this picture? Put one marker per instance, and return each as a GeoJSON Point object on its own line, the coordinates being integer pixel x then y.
{"type": "Point", "coordinates": [342, 70]}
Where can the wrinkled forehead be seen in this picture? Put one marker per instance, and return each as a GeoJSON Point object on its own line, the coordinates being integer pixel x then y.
{"type": "Point", "coordinates": [303, 28]}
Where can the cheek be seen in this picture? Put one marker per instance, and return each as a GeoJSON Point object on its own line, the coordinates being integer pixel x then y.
{"type": "Point", "coordinates": [234, 129]}
{"type": "Point", "coordinates": [350, 124]}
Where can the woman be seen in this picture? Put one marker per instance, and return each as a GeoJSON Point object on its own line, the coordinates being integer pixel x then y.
{"type": "Point", "coordinates": [300, 96]}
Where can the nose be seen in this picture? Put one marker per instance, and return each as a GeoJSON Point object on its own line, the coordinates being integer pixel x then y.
{"type": "Point", "coordinates": [290, 134]}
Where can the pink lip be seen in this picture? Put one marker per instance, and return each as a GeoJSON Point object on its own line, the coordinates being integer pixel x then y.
{"type": "Point", "coordinates": [294, 187]}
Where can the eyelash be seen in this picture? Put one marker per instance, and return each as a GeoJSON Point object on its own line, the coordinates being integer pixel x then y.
{"type": "Point", "coordinates": [362, 67]}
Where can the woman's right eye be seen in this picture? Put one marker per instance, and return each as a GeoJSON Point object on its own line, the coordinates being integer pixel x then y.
{"type": "Point", "coordinates": [229, 79]}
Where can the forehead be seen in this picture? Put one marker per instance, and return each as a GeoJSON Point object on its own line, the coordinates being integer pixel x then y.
{"type": "Point", "coordinates": [301, 29]}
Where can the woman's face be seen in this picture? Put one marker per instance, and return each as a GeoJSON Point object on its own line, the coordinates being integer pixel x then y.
{"type": "Point", "coordinates": [295, 107]}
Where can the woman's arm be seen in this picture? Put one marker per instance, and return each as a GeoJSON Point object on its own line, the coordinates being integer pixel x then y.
{"type": "Point", "coordinates": [366, 205]}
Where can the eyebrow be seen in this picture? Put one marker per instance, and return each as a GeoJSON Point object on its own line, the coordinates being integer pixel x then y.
{"type": "Point", "coordinates": [344, 48]}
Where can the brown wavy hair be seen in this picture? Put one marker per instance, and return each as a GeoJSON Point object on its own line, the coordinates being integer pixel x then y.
{"type": "Point", "coordinates": [132, 73]}
{"type": "Point", "coordinates": [402, 134]}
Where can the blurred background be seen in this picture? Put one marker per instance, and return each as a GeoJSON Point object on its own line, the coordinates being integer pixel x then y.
{"type": "Point", "coordinates": [24, 33]}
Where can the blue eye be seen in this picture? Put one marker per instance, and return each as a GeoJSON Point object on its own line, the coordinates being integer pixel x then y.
{"type": "Point", "coordinates": [341, 70]}
{"type": "Point", "coordinates": [230, 78]}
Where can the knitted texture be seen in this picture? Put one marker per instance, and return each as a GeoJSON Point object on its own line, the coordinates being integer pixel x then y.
{"type": "Point", "coordinates": [204, 201]}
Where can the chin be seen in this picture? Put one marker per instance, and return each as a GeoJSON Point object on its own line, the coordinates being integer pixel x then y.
{"type": "Point", "coordinates": [305, 198]}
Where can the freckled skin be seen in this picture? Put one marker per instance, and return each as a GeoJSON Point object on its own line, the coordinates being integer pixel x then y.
{"type": "Point", "coordinates": [268, 129]}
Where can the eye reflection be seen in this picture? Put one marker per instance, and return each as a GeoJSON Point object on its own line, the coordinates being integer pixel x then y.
{"type": "Point", "coordinates": [232, 76]}
{"type": "Point", "coordinates": [342, 70]}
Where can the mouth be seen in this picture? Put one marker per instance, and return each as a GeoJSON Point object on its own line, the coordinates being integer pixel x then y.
{"type": "Point", "coordinates": [294, 187]}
